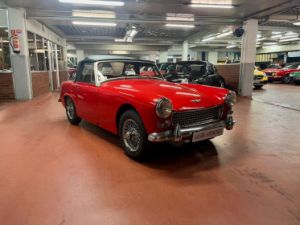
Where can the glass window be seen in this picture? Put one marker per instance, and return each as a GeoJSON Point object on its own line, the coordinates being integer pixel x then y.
{"type": "Point", "coordinates": [87, 74]}
{"type": "Point", "coordinates": [111, 70]}
{"type": "Point", "coordinates": [60, 57]}
{"type": "Point", "coordinates": [4, 50]}
{"type": "Point", "coordinates": [40, 51]}
{"type": "Point", "coordinates": [32, 51]}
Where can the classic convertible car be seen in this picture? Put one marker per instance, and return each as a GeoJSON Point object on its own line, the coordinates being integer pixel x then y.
{"type": "Point", "coordinates": [195, 72]}
{"type": "Point", "coordinates": [282, 74]}
{"type": "Point", "coordinates": [130, 98]}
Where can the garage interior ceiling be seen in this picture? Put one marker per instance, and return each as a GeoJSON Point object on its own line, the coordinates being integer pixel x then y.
{"type": "Point", "coordinates": [149, 17]}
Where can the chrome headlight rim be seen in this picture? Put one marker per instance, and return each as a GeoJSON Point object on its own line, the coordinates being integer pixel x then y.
{"type": "Point", "coordinates": [231, 98]}
{"type": "Point", "coordinates": [164, 108]}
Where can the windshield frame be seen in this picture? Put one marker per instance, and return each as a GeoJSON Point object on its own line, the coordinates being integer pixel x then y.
{"type": "Point", "coordinates": [101, 78]}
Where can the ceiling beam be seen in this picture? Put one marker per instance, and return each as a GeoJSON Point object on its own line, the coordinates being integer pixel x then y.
{"type": "Point", "coordinates": [67, 19]}
{"type": "Point", "coordinates": [119, 47]}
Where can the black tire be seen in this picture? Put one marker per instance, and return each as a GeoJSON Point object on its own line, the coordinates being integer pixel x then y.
{"type": "Point", "coordinates": [258, 86]}
{"type": "Point", "coordinates": [270, 81]}
{"type": "Point", "coordinates": [221, 83]}
{"type": "Point", "coordinates": [286, 79]}
{"type": "Point", "coordinates": [134, 145]}
{"type": "Point", "coordinates": [71, 112]}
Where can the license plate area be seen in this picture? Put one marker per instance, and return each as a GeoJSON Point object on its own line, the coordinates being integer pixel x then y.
{"type": "Point", "coordinates": [207, 134]}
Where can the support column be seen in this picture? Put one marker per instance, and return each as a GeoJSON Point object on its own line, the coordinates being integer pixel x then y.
{"type": "Point", "coordinates": [213, 57]}
{"type": "Point", "coordinates": [248, 53]}
{"type": "Point", "coordinates": [80, 55]}
{"type": "Point", "coordinates": [185, 50]}
{"type": "Point", "coordinates": [163, 57]}
{"type": "Point", "coordinates": [20, 61]}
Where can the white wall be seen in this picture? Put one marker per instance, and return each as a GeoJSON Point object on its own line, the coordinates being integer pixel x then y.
{"type": "Point", "coordinates": [3, 18]}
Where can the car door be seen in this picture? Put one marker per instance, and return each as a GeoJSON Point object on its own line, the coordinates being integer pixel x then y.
{"type": "Point", "coordinates": [87, 92]}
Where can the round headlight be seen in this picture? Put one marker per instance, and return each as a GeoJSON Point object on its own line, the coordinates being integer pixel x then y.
{"type": "Point", "coordinates": [231, 98]}
{"type": "Point", "coordinates": [164, 108]}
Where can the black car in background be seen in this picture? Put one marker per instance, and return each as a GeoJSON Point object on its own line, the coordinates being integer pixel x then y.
{"type": "Point", "coordinates": [166, 67]}
{"type": "Point", "coordinates": [195, 72]}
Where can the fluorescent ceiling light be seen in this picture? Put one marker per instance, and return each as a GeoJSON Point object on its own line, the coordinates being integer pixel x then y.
{"type": "Point", "coordinates": [94, 2]}
{"type": "Point", "coordinates": [208, 39]}
{"type": "Point", "coordinates": [290, 36]}
{"type": "Point", "coordinates": [180, 25]}
{"type": "Point", "coordinates": [277, 36]}
{"type": "Point", "coordinates": [219, 6]}
{"type": "Point", "coordinates": [291, 39]}
{"type": "Point", "coordinates": [270, 43]}
{"type": "Point", "coordinates": [94, 14]}
{"type": "Point", "coordinates": [120, 40]}
{"type": "Point", "coordinates": [224, 34]}
{"type": "Point", "coordinates": [119, 52]}
{"type": "Point", "coordinates": [180, 17]}
{"type": "Point", "coordinates": [258, 36]}
{"type": "Point", "coordinates": [276, 32]}
{"type": "Point", "coordinates": [297, 23]}
{"type": "Point", "coordinates": [86, 23]}
{"type": "Point", "coordinates": [261, 39]}
{"type": "Point", "coordinates": [231, 46]}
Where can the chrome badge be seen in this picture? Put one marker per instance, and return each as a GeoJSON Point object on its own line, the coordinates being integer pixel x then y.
{"type": "Point", "coordinates": [196, 100]}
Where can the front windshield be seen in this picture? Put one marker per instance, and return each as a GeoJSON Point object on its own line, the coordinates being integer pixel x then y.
{"type": "Point", "coordinates": [274, 66]}
{"type": "Point", "coordinates": [292, 66]}
{"type": "Point", "coordinates": [121, 69]}
{"type": "Point", "coordinates": [192, 68]}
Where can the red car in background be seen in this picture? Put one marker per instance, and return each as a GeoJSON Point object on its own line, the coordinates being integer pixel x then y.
{"type": "Point", "coordinates": [283, 74]}
{"type": "Point", "coordinates": [130, 98]}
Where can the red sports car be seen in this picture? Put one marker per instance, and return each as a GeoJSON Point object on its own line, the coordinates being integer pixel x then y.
{"type": "Point", "coordinates": [130, 98]}
{"type": "Point", "coordinates": [283, 74]}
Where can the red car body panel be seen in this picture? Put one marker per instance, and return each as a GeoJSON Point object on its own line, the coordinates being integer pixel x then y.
{"type": "Point", "coordinates": [277, 74]}
{"type": "Point", "coordinates": [100, 105]}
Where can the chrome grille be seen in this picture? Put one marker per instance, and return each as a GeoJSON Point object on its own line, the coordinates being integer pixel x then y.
{"type": "Point", "coordinates": [197, 117]}
{"type": "Point", "coordinates": [258, 77]}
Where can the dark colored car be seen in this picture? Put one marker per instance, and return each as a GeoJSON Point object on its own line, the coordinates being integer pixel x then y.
{"type": "Point", "coordinates": [165, 68]}
{"type": "Point", "coordinates": [195, 72]}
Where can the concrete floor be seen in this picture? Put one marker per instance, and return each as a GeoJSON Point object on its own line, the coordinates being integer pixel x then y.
{"type": "Point", "coordinates": [52, 173]}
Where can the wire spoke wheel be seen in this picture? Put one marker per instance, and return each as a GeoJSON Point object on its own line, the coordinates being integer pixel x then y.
{"type": "Point", "coordinates": [70, 109]}
{"type": "Point", "coordinates": [131, 135]}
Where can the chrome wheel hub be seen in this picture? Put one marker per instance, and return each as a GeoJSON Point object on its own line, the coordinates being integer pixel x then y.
{"type": "Point", "coordinates": [131, 135]}
{"type": "Point", "coordinates": [70, 109]}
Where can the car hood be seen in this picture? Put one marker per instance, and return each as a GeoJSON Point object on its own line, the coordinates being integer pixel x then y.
{"type": "Point", "coordinates": [257, 73]}
{"type": "Point", "coordinates": [183, 97]}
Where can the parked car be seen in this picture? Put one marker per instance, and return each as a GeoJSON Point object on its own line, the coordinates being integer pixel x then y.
{"type": "Point", "coordinates": [195, 72]}
{"type": "Point", "coordinates": [130, 98]}
{"type": "Point", "coordinates": [282, 74]}
{"type": "Point", "coordinates": [260, 78]}
{"type": "Point", "coordinates": [295, 77]}
{"type": "Point", "coordinates": [165, 68]}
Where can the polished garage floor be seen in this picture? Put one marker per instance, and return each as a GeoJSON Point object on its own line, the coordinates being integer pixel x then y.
{"type": "Point", "coordinates": [52, 173]}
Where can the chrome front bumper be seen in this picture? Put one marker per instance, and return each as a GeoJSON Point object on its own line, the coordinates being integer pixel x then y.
{"type": "Point", "coordinates": [179, 134]}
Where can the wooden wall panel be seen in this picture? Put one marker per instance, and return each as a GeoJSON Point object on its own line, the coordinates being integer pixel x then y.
{"type": "Point", "coordinates": [6, 86]}
{"type": "Point", "coordinates": [231, 74]}
{"type": "Point", "coordinates": [40, 83]}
